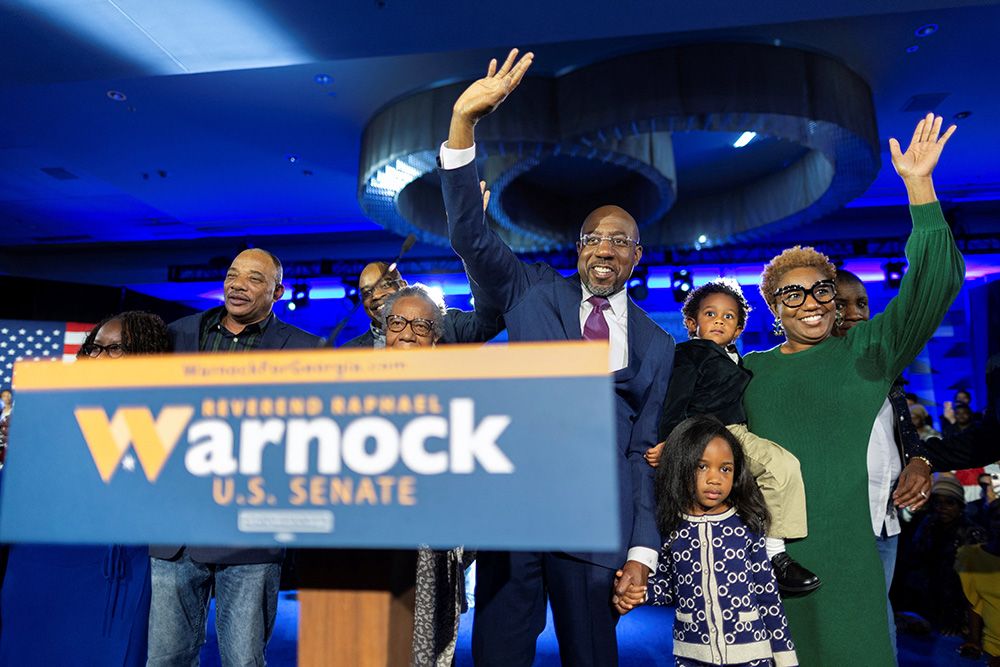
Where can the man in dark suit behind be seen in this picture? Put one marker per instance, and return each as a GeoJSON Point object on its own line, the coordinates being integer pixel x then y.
{"type": "Point", "coordinates": [245, 579]}
{"type": "Point", "coordinates": [539, 304]}
{"type": "Point", "coordinates": [376, 284]}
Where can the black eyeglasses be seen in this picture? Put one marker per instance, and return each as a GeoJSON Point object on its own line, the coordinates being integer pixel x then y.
{"type": "Point", "coordinates": [386, 285]}
{"type": "Point", "coordinates": [93, 350]}
{"type": "Point", "coordinates": [617, 242]}
{"type": "Point", "coordinates": [793, 296]}
{"type": "Point", "coordinates": [420, 326]}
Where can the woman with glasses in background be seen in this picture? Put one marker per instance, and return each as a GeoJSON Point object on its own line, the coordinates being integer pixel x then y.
{"type": "Point", "coordinates": [414, 318]}
{"type": "Point", "coordinates": [82, 605]}
{"type": "Point", "coordinates": [819, 396]}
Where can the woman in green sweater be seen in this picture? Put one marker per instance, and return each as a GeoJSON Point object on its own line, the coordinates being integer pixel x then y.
{"type": "Point", "coordinates": [819, 396]}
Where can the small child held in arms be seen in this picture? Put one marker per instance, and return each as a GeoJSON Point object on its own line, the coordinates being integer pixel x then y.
{"type": "Point", "coordinates": [709, 378]}
{"type": "Point", "coordinates": [713, 566]}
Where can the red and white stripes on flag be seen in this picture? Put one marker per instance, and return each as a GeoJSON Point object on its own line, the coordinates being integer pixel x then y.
{"type": "Point", "coordinates": [73, 338]}
{"type": "Point", "coordinates": [32, 339]}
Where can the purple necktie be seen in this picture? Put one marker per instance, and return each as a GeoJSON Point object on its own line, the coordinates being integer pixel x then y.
{"type": "Point", "coordinates": [596, 327]}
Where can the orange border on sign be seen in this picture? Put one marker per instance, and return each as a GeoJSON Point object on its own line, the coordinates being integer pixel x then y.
{"type": "Point", "coordinates": [453, 362]}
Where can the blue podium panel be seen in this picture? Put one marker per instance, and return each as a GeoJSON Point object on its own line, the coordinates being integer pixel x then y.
{"type": "Point", "coordinates": [495, 448]}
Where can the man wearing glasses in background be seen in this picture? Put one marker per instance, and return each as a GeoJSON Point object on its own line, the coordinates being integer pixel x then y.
{"type": "Point", "coordinates": [377, 283]}
{"type": "Point", "coordinates": [539, 304]}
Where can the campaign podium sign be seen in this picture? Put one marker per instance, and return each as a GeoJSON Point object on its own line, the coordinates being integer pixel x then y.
{"type": "Point", "coordinates": [494, 448]}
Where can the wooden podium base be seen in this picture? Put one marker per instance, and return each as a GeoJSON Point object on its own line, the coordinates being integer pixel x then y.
{"type": "Point", "coordinates": [356, 607]}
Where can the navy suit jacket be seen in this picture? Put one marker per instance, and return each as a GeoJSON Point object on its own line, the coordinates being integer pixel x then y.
{"type": "Point", "coordinates": [461, 326]}
{"type": "Point", "coordinates": [184, 334]}
{"type": "Point", "coordinates": [537, 303]}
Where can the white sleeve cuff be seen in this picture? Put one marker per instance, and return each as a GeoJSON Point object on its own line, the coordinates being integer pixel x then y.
{"type": "Point", "coordinates": [451, 158]}
{"type": "Point", "coordinates": [646, 556]}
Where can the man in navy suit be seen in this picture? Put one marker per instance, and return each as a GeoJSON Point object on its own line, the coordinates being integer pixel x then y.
{"type": "Point", "coordinates": [245, 580]}
{"type": "Point", "coordinates": [539, 304]}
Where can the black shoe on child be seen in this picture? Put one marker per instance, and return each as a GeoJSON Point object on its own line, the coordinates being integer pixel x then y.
{"type": "Point", "coordinates": [792, 577]}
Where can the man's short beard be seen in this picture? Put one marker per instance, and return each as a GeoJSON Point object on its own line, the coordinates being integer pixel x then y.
{"type": "Point", "coordinates": [604, 291]}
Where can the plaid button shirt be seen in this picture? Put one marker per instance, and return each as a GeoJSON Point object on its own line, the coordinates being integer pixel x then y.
{"type": "Point", "coordinates": [215, 337]}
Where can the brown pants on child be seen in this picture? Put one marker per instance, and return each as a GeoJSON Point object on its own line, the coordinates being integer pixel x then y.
{"type": "Point", "coordinates": [780, 480]}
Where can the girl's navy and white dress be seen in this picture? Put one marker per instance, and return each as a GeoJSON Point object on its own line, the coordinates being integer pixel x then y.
{"type": "Point", "coordinates": [717, 574]}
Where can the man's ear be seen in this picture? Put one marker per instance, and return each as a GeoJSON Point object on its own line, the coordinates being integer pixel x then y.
{"type": "Point", "coordinates": [279, 289]}
{"type": "Point", "coordinates": [402, 283]}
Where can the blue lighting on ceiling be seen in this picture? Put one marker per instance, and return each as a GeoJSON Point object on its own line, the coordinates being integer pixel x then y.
{"type": "Point", "coordinates": [926, 30]}
{"type": "Point", "coordinates": [182, 36]}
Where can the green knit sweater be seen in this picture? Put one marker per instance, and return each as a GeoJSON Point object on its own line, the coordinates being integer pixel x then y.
{"type": "Point", "coordinates": [820, 404]}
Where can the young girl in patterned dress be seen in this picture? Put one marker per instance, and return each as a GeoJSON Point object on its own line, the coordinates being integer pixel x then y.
{"type": "Point", "coordinates": [713, 566]}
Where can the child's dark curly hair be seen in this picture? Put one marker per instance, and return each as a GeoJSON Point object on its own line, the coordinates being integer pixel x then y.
{"type": "Point", "coordinates": [728, 286]}
{"type": "Point", "coordinates": [142, 333]}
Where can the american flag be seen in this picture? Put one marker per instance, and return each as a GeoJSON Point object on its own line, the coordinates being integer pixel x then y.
{"type": "Point", "coordinates": [28, 339]}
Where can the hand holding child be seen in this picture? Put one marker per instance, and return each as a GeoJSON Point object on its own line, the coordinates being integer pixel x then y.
{"type": "Point", "coordinates": [652, 455]}
{"type": "Point", "coordinates": [634, 596]}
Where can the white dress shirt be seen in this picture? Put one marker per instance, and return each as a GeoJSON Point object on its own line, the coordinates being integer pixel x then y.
{"type": "Point", "coordinates": [616, 315]}
{"type": "Point", "coordinates": [884, 467]}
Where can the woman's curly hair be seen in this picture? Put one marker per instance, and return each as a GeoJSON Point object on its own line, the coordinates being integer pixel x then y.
{"type": "Point", "coordinates": [142, 333]}
{"type": "Point", "coordinates": [792, 258]}
{"type": "Point", "coordinates": [728, 286]}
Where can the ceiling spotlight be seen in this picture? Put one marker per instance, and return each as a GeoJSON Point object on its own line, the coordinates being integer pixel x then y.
{"type": "Point", "coordinates": [292, 158]}
{"type": "Point", "coordinates": [926, 30]}
{"type": "Point", "coordinates": [351, 290]}
{"type": "Point", "coordinates": [300, 297]}
{"type": "Point", "coordinates": [912, 49]}
{"type": "Point", "coordinates": [702, 239]}
{"type": "Point", "coordinates": [744, 139]}
{"type": "Point", "coordinates": [323, 79]}
{"type": "Point", "coordinates": [681, 283]}
{"type": "Point", "coordinates": [637, 287]}
{"type": "Point", "coordinates": [116, 96]}
{"type": "Point", "coordinates": [962, 115]}
{"type": "Point", "coordinates": [893, 273]}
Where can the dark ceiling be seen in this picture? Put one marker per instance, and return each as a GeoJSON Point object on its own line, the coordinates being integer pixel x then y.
{"type": "Point", "coordinates": [217, 94]}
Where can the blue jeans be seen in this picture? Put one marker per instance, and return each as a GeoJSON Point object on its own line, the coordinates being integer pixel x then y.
{"type": "Point", "coordinates": [887, 547]}
{"type": "Point", "coordinates": [246, 601]}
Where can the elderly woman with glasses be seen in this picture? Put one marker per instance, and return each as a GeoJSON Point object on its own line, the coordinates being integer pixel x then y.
{"type": "Point", "coordinates": [819, 396]}
{"type": "Point", "coordinates": [413, 317]}
{"type": "Point", "coordinates": [80, 604]}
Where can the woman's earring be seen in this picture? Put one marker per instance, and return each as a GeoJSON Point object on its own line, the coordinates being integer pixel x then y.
{"type": "Point", "coordinates": [839, 319]}
{"type": "Point", "coordinates": [777, 328]}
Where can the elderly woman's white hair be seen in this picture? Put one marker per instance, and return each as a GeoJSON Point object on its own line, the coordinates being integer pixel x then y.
{"type": "Point", "coordinates": [422, 292]}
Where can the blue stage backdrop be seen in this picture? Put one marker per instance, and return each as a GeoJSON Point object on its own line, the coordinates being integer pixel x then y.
{"type": "Point", "coordinates": [503, 447]}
